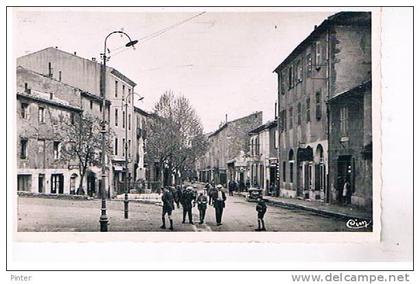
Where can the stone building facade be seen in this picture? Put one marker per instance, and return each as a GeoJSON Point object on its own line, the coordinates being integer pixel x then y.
{"type": "Point", "coordinates": [226, 143]}
{"type": "Point", "coordinates": [335, 57]}
{"type": "Point", "coordinates": [43, 107]}
{"type": "Point", "coordinates": [84, 75]}
{"type": "Point", "coordinates": [351, 145]}
{"type": "Point", "coordinates": [263, 163]}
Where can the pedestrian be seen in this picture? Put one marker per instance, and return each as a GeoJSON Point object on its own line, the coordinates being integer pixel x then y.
{"type": "Point", "coordinates": [168, 206]}
{"type": "Point", "coordinates": [187, 200]}
{"type": "Point", "coordinates": [261, 209]}
{"type": "Point", "coordinates": [346, 192]}
{"type": "Point", "coordinates": [178, 194]}
{"type": "Point", "coordinates": [232, 187]}
{"type": "Point", "coordinates": [202, 206]}
{"type": "Point", "coordinates": [219, 198]}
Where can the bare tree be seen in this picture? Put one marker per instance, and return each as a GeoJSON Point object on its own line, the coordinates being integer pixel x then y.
{"type": "Point", "coordinates": [175, 138]}
{"type": "Point", "coordinates": [82, 140]}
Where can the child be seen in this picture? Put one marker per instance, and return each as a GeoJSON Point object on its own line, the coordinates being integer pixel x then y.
{"type": "Point", "coordinates": [261, 209]}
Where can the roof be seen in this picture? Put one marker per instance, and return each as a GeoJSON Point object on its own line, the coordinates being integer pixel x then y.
{"type": "Point", "coordinates": [112, 69]}
{"type": "Point", "coordinates": [267, 125]}
{"type": "Point", "coordinates": [363, 86]}
{"type": "Point", "coordinates": [41, 97]}
{"type": "Point", "coordinates": [143, 112]}
{"type": "Point", "coordinates": [342, 18]}
{"type": "Point", "coordinates": [232, 121]}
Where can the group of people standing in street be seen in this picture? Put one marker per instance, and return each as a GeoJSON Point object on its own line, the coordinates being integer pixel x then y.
{"type": "Point", "coordinates": [187, 197]}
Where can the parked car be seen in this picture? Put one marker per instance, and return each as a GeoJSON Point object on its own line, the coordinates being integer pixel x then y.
{"type": "Point", "coordinates": [254, 194]}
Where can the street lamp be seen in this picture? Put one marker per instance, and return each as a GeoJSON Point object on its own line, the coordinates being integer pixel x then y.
{"type": "Point", "coordinates": [125, 102]}
{"type": "Point", "coordinates": [103, 220]}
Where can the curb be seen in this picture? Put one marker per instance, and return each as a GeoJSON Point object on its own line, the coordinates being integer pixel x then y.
{"type": "Point", "coordinates": [321, 212]}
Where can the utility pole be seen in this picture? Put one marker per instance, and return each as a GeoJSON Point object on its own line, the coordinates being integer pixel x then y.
{"type": "Point", "coordinates": [126, 162]}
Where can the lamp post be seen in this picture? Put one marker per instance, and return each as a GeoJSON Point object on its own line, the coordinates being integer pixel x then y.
{"type": "Point", "coordinates": [125, 102]}
{"type": "Point", "coordinates": [103, 219]}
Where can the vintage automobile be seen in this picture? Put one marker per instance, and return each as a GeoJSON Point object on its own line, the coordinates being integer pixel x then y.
{"type": "Point", "coordinates": [254, 193]}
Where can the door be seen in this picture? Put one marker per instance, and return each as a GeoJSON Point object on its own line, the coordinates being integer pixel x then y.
{"type": "Point", "coordinates": [344, 170]}
{"type": "Point", "coordinates": [41, 180]}
{"type": "Point", "coordinates": [57, 183]}
{"type": "Point", "coordinates": [91, 183]}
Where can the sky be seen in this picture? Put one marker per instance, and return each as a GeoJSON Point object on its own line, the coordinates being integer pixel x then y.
{"type": "Point", "coordinates": [222, 61]}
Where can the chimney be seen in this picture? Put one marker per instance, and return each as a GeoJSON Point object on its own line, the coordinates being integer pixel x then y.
{"type": "Point", "coordinates": [315, 27]}
{"type": "Point", "coordinates": [51, 96]}
{"type": "Point", "coordinates": [226, 118]}
{"type": "Point", "coordinates": [56, 47]}
{"type": "Point", "coordinates": [75, 53]}
{"type": "Point", "coordinates": [94, 59]}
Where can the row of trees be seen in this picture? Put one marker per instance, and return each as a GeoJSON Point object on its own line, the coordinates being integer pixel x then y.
{"type": "Point", "coordinates": [175, 139]}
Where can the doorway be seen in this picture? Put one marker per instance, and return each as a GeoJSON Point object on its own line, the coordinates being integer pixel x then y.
{"type": "Point", "coordinates": [57, 183]}
{"type": "Point", "coordinates": [41, 181]}
{"type": "Point", "coordinates": [344, 170]}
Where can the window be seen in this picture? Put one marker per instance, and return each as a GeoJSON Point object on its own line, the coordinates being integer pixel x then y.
{"type": "Point", "coordinates": [308, 110]}
{"type": "Point", "coordinates": [100, 107]}
{"type": "Point", "coordinates": [129, 96]}
{"type": "Point", "coordinates": [51, 96]}
{"type": "Point", "coordinates": [129, 121]}
{"type": "Point", "coordinates": [291, 162]}
{"type": "Point", "coordinates": [299, 113]}
{"type": "Point", "coordinates": [91, 104]}
{"type": "Point", "coordinates": [283, 122]}
{"type": "Point", "coordinates": [116, 89]}
{"type": "Point", "coordinates": [290, 118]}
{"type": "Point", "coordinates": [72, 118]}
{"type": "Point", "coordinates": [318, 54]}
{"type": "Point", "coordinates": [129, 148]}
{"type": "Point", "coordinates": [284, 171]}
{"type": "Point", "coordinates": [308, 65]}
{"type": "Point", "coordinates": [299, 72]}
{"type": "Point", "coordinates": [282, 82]}
{"type": "Point", "coordinates": [276, 138]}
{"type": "Point", "coordinates": [26, 88]}
{"type": "Point", "coordinates": [318, 105]}
{"type": "Point", "coordinates": [24, 148]}
{"type": "Point", "coordinates": [24, 110]}
{"type": "Point", "coordinates": [57, 183]}
{"type": "Point", "coordinates": [124, 147]}
{"type": "Point", "coordinates": [56, 150]}
{"type": "Point", "coordinates": [24, 182]}
{"type": "Point", "coordinates": [41, 114]}
{"type": "Point", "coordinates": [344, 118]}
{"type": "Point", "coordinates": [116, 117]}
{"type": "Point", "coordinates": [123, 117]}
{"type": "Point", "coordinates": [290, 77]}
{"type": "Point", "coordinates": [59, 76]}
{"type": "Point", "coordinates": [123, 91]}
{"type": "Point", "coordinates": [50, 74]}
{"type": "Point", "coordinates": [116, 146]}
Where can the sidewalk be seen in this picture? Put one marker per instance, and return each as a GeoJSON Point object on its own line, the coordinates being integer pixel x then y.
{"type": "Point", "coordinates": [317, 207]}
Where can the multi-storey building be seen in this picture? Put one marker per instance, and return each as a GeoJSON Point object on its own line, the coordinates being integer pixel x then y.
{"type": "Point", "coordinates": [226, 143]}
{"type": "Point", "coordinates": [334, 58]}
{"type": "Point", "coordinates": [263, 164]}
{"type": "Point", "coordinates": [84, 75]}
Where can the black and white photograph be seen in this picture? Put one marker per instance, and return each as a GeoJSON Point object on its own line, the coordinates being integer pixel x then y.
{"type": "Point", "coordinates": [180, 121]}
{"type": "Point", "coordinates": [208, 138]}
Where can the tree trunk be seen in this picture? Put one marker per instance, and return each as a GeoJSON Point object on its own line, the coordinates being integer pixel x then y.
{"type": "Point", "coordinates": [80, 190]}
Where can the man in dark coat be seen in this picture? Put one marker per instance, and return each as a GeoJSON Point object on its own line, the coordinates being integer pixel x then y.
{"type": "Point", "coordinates": [232, 187]}
{"type": "Point", "coordinates": [202, 206]}
{"type": "Point", "coordinates": [187, 199]}
{"type": "Point", "coordinates": [168, 206]}
{"type": "Point", "coordinates": [261, 209]}
{"type": "Point", "coordinates": [178, 195]}
{"type": "Point", "coordinates": [219, 198]}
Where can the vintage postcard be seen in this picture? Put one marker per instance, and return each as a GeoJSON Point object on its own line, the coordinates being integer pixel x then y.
{"type": "Point", "coordinates": [195, 124]}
